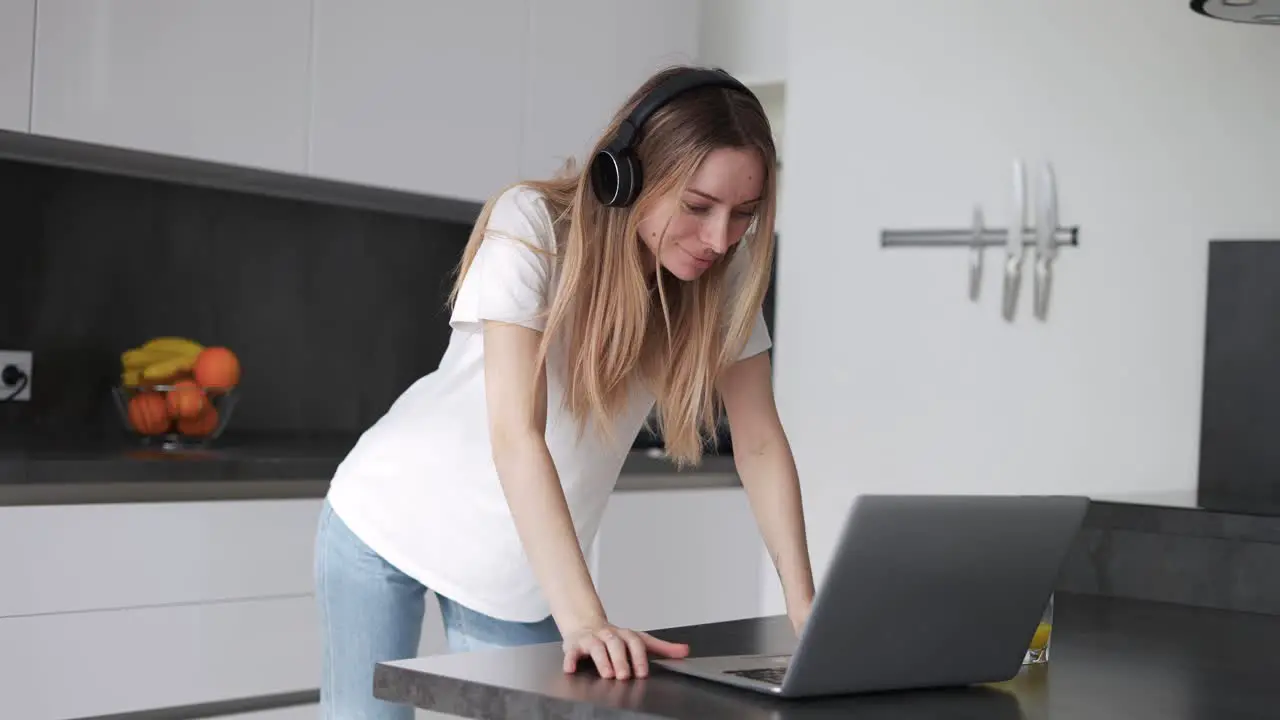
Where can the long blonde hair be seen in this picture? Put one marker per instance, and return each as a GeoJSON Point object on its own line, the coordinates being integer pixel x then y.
{"type": "Point", "coordinates": [678, 340]}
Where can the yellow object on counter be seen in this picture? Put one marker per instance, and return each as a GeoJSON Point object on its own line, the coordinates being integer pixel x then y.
{"type": "Point", "coordinates": [1041, 638]}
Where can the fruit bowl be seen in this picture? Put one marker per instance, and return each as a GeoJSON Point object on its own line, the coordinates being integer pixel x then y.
{"type": "Point", "coordinates": [176, 392]}
{"type": "Point", "coordinates": [175, 416]}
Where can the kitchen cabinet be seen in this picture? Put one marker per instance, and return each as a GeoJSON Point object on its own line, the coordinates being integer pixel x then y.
{"type": "Point", "coordinates": [81, 558]}
{"type": "Point", "coordinates": [220, 80]}
{"type": "Point", "coordinates": [149, 605]}
{"type": "Point", "coordinates": [579, 69]}
{"type": "Point", "coordinates": [418, 96]}
{"type": "Point", "coordinates": [444, 99]}
{"type": "Point", "coordinates": [746, 37]}
{"type": "Point", "coordinates": [678, 557]}
{"type": "Point", "coordinates": [87, 664]}
{"type": "Point", "coordinates": [17, 28]}
{"type": "Point", "coordinates": [405, 98]}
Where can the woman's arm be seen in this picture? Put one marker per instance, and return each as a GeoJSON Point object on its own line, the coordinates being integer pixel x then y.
{"type": "Point", "coordinates": [517, 405]}
{"type": "Point", "coordinates": [764, 461]}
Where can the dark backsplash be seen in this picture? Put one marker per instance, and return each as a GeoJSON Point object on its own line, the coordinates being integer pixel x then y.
{"type": "Point", "coordinates": [333, 311]}
{"type": "Point", "coordinates": [1240, 413]}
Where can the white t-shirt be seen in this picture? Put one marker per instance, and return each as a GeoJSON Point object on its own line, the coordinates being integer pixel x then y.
{"type": "Point", "coordinates": [420, 487]}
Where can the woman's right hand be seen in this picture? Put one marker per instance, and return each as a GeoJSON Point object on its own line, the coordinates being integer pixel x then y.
{"type": "Point", "coordinates": [617, 652]}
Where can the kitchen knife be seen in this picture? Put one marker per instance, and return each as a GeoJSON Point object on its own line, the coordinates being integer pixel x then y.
{"type": "Point", "coordinates": [1046, 249]}
{"type": "Point", "coordinates": [975, 254]}
{"type": "Point", "coordinates": [1013, 243]}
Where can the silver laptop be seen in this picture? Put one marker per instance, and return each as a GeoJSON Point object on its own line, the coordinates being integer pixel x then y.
{"type": "Point", "coordinates": [923, 591]}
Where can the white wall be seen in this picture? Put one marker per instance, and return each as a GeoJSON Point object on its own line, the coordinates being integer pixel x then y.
{"type": "Point", "coordinates": [1163, 128]}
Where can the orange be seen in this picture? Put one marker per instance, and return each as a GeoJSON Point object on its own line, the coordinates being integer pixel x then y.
{"type": "Point", "coordinates": [217, 368]}
{"type": "Point", "coordinates": [200, 425]}
{"type": "Point", "coordinates": [148, 413]}
{"type": "Point", "coordinates": [185, 400]}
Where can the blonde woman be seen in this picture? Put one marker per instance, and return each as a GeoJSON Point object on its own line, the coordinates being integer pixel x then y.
{"type": "Point", "coordinates": [582, 303]}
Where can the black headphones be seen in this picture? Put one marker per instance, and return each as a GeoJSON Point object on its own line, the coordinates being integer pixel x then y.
{"type": "Point", "coordinates": [616, 175]}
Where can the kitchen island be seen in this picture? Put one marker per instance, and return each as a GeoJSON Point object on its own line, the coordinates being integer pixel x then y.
{"type": "Point", "coordinates": [1112, 659]}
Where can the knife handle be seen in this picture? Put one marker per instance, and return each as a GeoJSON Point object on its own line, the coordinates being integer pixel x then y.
{"type": "Point", "coordinates": [1012, 285]}
{"type": "Point", "coordinates": [975, 272]}
{"type": "Point", "coordinates": [1043, 284]}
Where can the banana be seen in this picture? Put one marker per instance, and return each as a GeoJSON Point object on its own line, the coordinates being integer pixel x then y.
{"type": "Point", "coordinates": [137, 358]}
{"type": "Point", "coordinates": [157, 350]}
{"type": "Point", "coordinates": [179, 345]}
{"type": "Point", "coordinates": [168, 367]}
{"type": "Point", "coordinates": [158, 360]}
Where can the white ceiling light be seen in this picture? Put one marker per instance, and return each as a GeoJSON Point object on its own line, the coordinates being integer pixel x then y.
{"type": "Point", "coordinates": [1257, 12]}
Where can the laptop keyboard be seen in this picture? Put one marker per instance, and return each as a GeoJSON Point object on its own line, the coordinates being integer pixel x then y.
{"type": "Point", "coordinates": [772, 675]}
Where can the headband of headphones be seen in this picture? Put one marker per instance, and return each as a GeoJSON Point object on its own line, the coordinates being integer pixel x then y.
{"type": "Point", "coordinates": [665, 92]}
{"type": "Point", "coordinates": [616, 174]}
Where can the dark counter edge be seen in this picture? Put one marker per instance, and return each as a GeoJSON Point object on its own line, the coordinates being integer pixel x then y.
{"type": "Point", "coordinates": [44, 150]}
{"type": "Point", "coordinates": [641, 472]}
{"type": "Point", "coordinates": [220, 708]}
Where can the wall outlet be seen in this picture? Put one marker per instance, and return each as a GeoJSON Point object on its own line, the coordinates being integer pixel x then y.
{"type": "Point", "coordinates": [20, 359]}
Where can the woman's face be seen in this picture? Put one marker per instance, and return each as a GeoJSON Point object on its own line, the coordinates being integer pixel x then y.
{"type": "Point", "coordinates": [710, 217]}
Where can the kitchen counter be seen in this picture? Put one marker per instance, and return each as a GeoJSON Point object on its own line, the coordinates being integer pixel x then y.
{"type": "Point", "coordinates": [1112, 659]}
{"type": "Point", "coordinates": [44, 470]}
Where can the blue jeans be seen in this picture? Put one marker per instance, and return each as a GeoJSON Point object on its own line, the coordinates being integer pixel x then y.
{"type": "Point", "coordinates": [370, 612]}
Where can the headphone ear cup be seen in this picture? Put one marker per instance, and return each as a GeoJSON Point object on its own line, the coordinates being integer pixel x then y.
{"type": "Point", "coordinates": [629, 180]}
{"type": "Point", "coordinates": [604, 177]}
{"type": "Point", "coordinates": [615, 178]}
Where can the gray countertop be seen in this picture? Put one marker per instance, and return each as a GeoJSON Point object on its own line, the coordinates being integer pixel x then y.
{"type": "Point", "coordinates": [63, 470]}
{"type": "Point", "coordinates": [1112, 660]}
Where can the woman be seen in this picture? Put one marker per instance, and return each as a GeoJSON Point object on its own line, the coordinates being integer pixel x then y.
{"type": "Point", "coordinates": [581, 304]}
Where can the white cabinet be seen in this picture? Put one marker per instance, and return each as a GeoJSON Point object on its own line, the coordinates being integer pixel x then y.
{"type": "Point", "coordinates": [747, 38]}
{"type": "Point", "coordinates": [90, 557]}
{"type": "Point", "coordinates": [220, 80]}
{"type": "Point", "coordinates": [419, 96]}
{"type": "Point", "coordinates": [452, 99]}
{"type": "Point", "coordinates": [105, 662]}
{"type": "Point", "coordinates": [405, 96]}
{"type": "Point", "coordinates": [17, 28]}
{"type": "Point", "coordinates": [151, 605]}
{"type": "Point", "coordinates": [679, 557]}
{"type": "Point", "coordinates": [584, 58]}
